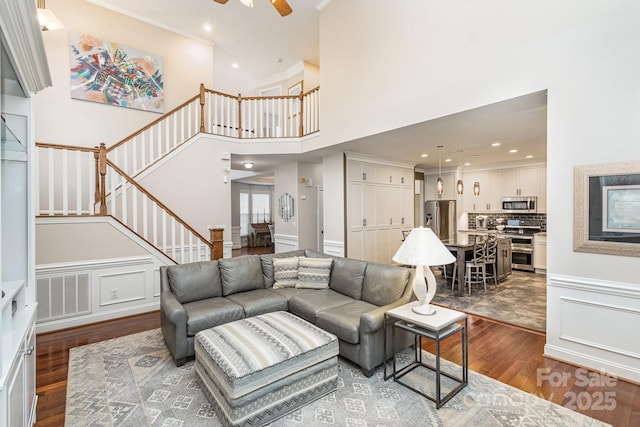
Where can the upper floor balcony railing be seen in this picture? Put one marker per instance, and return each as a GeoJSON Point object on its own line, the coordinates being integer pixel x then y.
{"type": "Point", "coordinates": [257, 118]}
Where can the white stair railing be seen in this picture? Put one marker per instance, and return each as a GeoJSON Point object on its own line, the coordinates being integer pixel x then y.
{"type": "Point", "coordinates": [143, 148]}
{"type": "Point", "coordinates": [145, 215]}
{"type": "Point", "coordinates": [67, 180]}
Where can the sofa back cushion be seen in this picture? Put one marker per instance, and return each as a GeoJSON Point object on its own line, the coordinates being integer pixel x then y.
{"type": "Point", "coordinates": [347, 276]}
{"type": "Point", "coordinates": [240, 274]}
{"type": "Point", "coordinates": [194, 281]}
{"type": "Point", "coordinates": [314, 273]}
{"type": "Point", "coordinates": [384, 284]}
{"type": "Point", "coordinates": [285, 272]}
{"type": "Point", "coordinates": [267, 264]}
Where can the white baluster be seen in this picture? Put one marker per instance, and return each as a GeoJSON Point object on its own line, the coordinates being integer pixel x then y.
{"type": "Point", "coordinates": [181, 244]}
{"type": "Point", "coordinates": [134, 208]}
{"type": "Point", "coordinates": [78, 162]}
{"type": "Point", "coordinates": [65, 182]}
{"type": "Point", "coordinates": [145, 220]}
{"type": "Point", "coordinates": [190, 247]}
{"type": "Point", "coordinates": [154, 220]}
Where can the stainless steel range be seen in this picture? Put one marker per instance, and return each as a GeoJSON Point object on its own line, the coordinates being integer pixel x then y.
{"type": "Point", "coordinates": [521, 232]}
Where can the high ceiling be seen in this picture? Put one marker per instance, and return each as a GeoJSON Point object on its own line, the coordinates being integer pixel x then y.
{"type": "Point", "coordinates": [254, 38]}
{"type": "Point", "coordinates": [264, 44]}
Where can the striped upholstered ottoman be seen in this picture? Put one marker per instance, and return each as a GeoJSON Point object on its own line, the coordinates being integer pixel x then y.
{"type": "Point", "coordinates": [258, 369]}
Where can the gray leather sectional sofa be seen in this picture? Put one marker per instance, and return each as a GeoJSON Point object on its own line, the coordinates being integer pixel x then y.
{"type": "Point", "coordinates": [201, 295]}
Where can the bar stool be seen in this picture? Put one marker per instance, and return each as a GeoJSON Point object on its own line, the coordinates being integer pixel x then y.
{"type": "Point", "coordinates": [491, 259]}
{"type": "Point", "coordinates": [475, 271]}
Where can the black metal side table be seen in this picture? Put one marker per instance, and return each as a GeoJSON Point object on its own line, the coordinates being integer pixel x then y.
{"type": "Point", "coordinates": [443, 324]}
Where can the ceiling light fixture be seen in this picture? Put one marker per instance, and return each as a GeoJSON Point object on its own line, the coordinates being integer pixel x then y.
{"type": "Point", "coordinates": [513, 151]}
{"type": "Point", "coordinates": [424, 155]}
{"type": "Point", "coordinates": [459, 184]}
{"type": "Point", "coordinates": [248, 165]}
{"type": "Point", "coordinates": [476, 188]}
{"type": "Point", "coordinates": [496, 144]}
{"type": "Point", "coordinates": [248, 3]}
{"type": "Point", "coordinates": [529, 156]}
{"type": "Point", "coordinates": [207, 28]}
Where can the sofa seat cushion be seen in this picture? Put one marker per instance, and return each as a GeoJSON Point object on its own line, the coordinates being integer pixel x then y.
{"type": "Point", "coordinates": [195, 281]}
{"type": "Point", "coordinates": [384, 284]}
{"type": "Point", "coordinates": [308, 304]}
{"type": "Point", "coordinates": [344, 320]}
{"type": "Point", "coordinates": [259, 301]}
{"type": "Point", "coordinates": [243, 273]}
{"type": "Point", "coordinates": [210, 312]}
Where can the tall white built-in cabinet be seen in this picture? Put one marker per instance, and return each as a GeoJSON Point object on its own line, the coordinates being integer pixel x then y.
{"type": "Point", "coordinates": [23, 72]}
{"type": "Point", "coordinates": [379, 206]}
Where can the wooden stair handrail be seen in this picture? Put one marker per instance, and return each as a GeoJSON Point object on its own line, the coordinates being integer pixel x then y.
{"type": "Point", "coordinates": [67, 147]}
{"type": "Point", "coordinates": [154, 199]}
{"type": "Point", "coordinates": [153, 123]}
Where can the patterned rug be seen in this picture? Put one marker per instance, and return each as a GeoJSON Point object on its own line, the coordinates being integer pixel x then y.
{"type": "Point", "coordinates": [519, 300]}
{"type": "Point", "coordinates": [133, 381]}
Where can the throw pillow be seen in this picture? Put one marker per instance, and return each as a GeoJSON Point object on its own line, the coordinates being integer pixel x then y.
{"type": "Point", "coordinates": [314, 273]}
{"type": "Point", "coordinates": [285, 272]}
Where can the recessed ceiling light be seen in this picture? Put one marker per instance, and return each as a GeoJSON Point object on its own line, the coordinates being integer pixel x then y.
{"type": "Point", "coordinates": [447, 160]}
{"type": "Point", "coordinates": [496, 144]}
{"type": "Point", "coordinates": [207, 28]}
{"type": "Point", "coordinates": [513, 151]}
{"type": "Point", "coordinates": [529, 156]}
{"type": "Point", "coordinates": [234, 65]}
{"type": "Point", "coordinates": [467, 164]}
{"type": "Point", "coordinates": [248, 165]}
{"type": "Point", "coordinates": [424, 155]}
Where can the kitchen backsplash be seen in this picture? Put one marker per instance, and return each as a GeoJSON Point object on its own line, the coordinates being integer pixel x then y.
{"type": "Point", "coordinates": [491, 217]}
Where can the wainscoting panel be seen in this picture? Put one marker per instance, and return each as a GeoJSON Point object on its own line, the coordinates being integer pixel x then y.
{"type": "Point", "coordinates": [594, 324]}
{"type": "Point", "coordinates": [285, 242]}
{"type": "Point", "coordinates": [115, 288]}
{"type": "Point", "coordinates": [332, 247]}
{"type": "Point", "coordinates": [73, 294]}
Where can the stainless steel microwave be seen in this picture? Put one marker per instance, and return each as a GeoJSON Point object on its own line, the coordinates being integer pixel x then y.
{"type": "Point", "coordinates": [520, 204]}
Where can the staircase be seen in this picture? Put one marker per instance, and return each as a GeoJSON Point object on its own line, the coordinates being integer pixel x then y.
{"type": "Point", "coordinates": [102, 181]}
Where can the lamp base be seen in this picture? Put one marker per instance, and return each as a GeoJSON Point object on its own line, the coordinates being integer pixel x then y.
{"type": "Point", "coordinates": [425, 310]}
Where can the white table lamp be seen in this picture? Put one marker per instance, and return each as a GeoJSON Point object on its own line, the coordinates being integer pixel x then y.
{"type": "Point", "coordinates": [422, 248]}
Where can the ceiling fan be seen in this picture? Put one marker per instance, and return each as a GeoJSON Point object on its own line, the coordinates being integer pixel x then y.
{"type": "Point", "coordinates": [281, 6]}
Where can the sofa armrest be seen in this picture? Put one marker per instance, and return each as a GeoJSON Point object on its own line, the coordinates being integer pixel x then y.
{"type": "Point", "coordinates": [173, 311]}
{"type": "Point", "coordinates": [373, 320]}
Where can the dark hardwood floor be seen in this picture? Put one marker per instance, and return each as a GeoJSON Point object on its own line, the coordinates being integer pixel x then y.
{"type": "Point", "coordinates": [504, 352]}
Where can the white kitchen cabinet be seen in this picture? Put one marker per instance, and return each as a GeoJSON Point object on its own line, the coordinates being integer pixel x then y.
{"type": "Point", "coordinates": [489, 199]}
{"type": "Point", "coordinates": [449, 187]}
{"type": "Point", "coordinates": [522, 181]}
{"type": "Point", "coordinates": [379, 207]}
{"type": "Point", "coordinates": [540, 252]}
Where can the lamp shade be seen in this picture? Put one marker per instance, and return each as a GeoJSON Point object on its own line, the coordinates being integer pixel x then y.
{"type": "Point", "coordinates": [422, 247]}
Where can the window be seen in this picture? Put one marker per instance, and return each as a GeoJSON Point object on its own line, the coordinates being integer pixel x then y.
{"type": "Point", "coordinates": [244, 213]}
{"type": "Point", "coordinates": [260, 207]}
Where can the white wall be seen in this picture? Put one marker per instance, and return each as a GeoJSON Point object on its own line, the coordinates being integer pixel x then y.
{"type": "Point", "coordinates": [418, 60]}
{"type": "Point", "coordinates": [191, 184]}
{"type": "Point", "coordinates": [286, 232]}
{"type": "Point", "coordinates": [311, 173]}
{"type": "Point", "coordinates": [333, 185]}
{"type": "Point", "coordinates": [63, 120]}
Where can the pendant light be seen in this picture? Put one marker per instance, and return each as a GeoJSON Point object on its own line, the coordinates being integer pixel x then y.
{"type": "Point", "coordinates": [459, 184]}
{"type": "Point", "coordinates": [440, 182]}
{"type": "Point", "coordinates": [476, 188]}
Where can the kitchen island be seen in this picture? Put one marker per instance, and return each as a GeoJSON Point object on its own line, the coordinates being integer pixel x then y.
{"type": "Point", "coordinates": [463, 245]}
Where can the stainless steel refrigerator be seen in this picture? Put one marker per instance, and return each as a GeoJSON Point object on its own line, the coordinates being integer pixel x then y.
{"type": "Point", "coordinates": [441, 216]}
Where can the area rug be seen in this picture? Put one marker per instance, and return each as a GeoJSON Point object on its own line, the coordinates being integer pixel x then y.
{"type": "Point", "coordinates": [519, 300]}
{"type": "Point", "coordinates": [133, 381]}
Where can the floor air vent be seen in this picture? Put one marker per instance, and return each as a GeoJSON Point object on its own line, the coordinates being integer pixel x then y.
{"type": "Point", "coordinates": [63, 296]}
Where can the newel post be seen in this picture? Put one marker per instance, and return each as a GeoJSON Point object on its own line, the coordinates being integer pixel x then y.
{"type": "Point", "coordinates": [202, 100]}
{"type": "Point", "coordinates": [103, 173]}
{"type": "Point", "coordinates": [217, 243]}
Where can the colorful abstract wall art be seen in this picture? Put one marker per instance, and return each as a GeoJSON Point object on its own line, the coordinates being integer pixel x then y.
{"type": "Point", "coordinates": [110, 73]}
